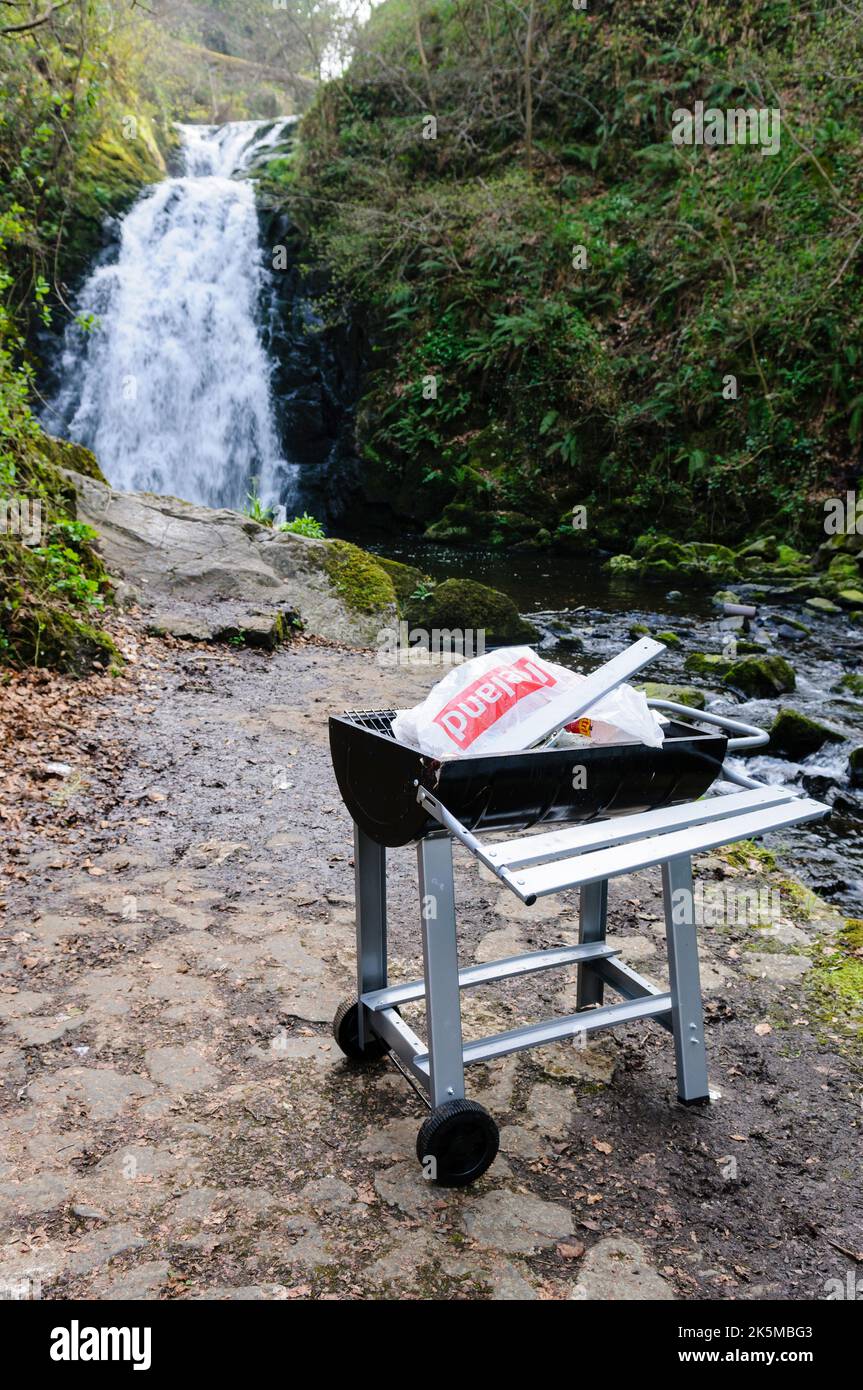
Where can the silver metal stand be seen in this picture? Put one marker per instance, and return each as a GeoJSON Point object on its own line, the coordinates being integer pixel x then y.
{"type": "Point", "coordinates": [584, 857]}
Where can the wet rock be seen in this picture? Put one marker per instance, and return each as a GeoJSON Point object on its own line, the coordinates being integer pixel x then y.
{"type": "Point", "coordinates": [618, 1270]}
{"type": "Point", "coordinates": [577, 1061]}
{"type": "Point", "coordinates": [549, 1110]}
{"type": "Point", "coordinates": [855, 767]}
{"type": "Point", "coordinates": [797, 735]}
{"type": "Point", "coordinates": [181, 1069]}
{"type": "Point", "coordinates": [760, 676]}
{"type": "Point", "coordinates": [520, 1143]}
{"type": "Point", "coordinates": [823, 605]}
{"type": "Point", "coordinates": [140, 1282]}
{"type": "Point", "coordinates": [42, 1193]}
{"type": "Point", "coordinates": [328, 1194]}
{"type": "Point", "coordinates": [516, 1222]}
{"type": "Point", "coordinates": [778, 969]}
{"type": "Point", "coordinates": [103, 1092]}
{"type": "Point", "coordinates": [708, 664]}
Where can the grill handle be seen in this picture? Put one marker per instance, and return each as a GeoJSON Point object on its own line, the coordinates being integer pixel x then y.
{"type": "Point", "coordinates": [746, 735]}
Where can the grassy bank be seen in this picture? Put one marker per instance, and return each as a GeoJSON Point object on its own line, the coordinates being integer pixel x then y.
{"type": "Point", "coordinates": [566, 307]}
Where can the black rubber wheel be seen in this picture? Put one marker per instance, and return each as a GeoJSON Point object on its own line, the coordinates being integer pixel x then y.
{"type": "Point", "coordinates": [457, 1143]}
{"type": "Point", "coordinates": [346, 1031]}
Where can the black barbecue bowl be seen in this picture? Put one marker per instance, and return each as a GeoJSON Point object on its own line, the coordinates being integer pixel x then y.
{"type": "Point", "coordinates": [378, 779]}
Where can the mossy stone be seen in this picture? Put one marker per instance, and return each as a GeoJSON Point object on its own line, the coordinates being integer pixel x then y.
{"type": "Point", "coordinates": [462, 604]}
{"type": "Point", "coordinates": [797, 735]}
{"type": "Point", "coordinates": [406, 579]}
{"type": "Point", "coordinates": [362, 584]}
{"type": "Point", "coordinates": [823, 605]}
{"type": "Point", "coordinates": [621, 564]}
{"type": "Point", "coordinates": [709, 664]}
{"type": "Point", "coordinates": [670, 639]}
{"type": "Point", "coordinates": [639, 630]}
{"type": "Point", "coordinates": [761, 676]}
{"type": "Point", "coordinates": [680, 694]}
{"type": "Point", "coordinates": [855, 767]}
{"type": "Point", "coordinates": [850, 598]}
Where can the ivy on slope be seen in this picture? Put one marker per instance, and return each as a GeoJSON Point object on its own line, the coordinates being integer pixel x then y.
{"type": "Point", "coordinates": [605, 383]}
{"type": "Point", "coordinates": [75, 145]}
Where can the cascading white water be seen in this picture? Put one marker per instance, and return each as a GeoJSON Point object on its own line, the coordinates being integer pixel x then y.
{"type": "Point", "coordinates": [170, 386]}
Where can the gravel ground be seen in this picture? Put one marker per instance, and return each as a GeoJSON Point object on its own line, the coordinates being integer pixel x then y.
{"type": "Point", "coordinates": [178, 1123]}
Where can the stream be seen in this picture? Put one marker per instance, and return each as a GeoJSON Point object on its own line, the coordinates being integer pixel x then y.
{"type": "Point", "coordinates": [584, 617]}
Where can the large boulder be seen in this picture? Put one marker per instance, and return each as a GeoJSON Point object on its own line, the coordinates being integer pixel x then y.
{"type": "Point", "coordinates": [221, 570]}
{"type": "Point", "coordinates": [463, 605]}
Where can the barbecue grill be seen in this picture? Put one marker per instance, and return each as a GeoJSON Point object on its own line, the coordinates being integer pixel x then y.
{"type": "Point", "coordinates": [631, 807]}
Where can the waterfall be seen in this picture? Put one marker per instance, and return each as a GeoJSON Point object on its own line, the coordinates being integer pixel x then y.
{"type": "Point", "coordinates": [163, 373]}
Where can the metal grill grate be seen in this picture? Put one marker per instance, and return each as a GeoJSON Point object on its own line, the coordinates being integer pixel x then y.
{"type": "Point", "coordinates": [380, 720]}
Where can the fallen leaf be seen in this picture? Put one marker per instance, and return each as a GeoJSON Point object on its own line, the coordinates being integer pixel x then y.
{"type": "Point", "coordinates": [602, 1146]}
{"type": "Point", "coordinates": [570, 1252]}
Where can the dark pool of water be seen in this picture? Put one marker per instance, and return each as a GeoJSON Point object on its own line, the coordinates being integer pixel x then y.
{"type": "Point", "coordinates": [573, 597]}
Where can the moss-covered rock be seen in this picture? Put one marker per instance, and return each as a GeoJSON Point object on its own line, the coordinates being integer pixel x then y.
{"type": "Point", "coordinates": [406, 579]}
{"type": "Point", "coordinates": [822, 605]}
{"type": "Point", "coordinates": [33, 634]}
{"type": "Point", "coordinates": [670, 639]}
{"type": "Point", "coordinates": [708, 664]}
{"type": "Point", "coordinates": [796, 735]}
{"type": "Point", "coordinates": [761, 676]}
{"type": "Point", "coordinates": [855, 767]}
{"type": "Point", "coordinates": [759, 551]}
{"type": "Point", "coordinates": [51, 588]}
{"type": "Point", "coordinates": [639, 630]}
{"type": "Point", "coordinates": [620, 565]}
{"type": "Point", "coordinates": [680, 694]}
{"type": "Point", "coordinates": [464, 605]}
{"type": "Point", "coordinates": [362, 584]}
{"type": "Point", "coordinates": [850, 598]}
{"type": "Point", "coordinates": [697, 564]}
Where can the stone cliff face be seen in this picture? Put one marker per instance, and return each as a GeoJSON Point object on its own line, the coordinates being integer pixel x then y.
{"type": "Point", "coordinates": [317, 375]}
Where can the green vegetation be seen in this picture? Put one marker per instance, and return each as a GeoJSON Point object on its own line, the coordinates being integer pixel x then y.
{"type": "Point", "coordinates": [304, 525]}
{"type": "Point", "coordinates": [558, 296]}
{"type": "Point", "coordinates": [835, 985]}
{"type": "Point", "coordinates": [256, 509]}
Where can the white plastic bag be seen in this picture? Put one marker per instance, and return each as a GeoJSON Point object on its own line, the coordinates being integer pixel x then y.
{"type": "Point", "coordinates": [507, 700]}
